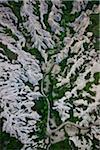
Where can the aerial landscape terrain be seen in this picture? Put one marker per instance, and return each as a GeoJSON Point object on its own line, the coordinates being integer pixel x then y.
{"type": "Point", "coordinates": [49, 75]}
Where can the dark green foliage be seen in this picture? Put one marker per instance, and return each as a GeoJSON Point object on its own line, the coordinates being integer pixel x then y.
{"type": "Point", "coordinates": [55, 115]}
{"type": "Point", "coordinates": [16, 6]}
{"type": "Point", "coordinates": [95, 144]}
{"type": "Point", "coordinates": [42, 109]}
{"type": "Point", "coordinates": [97, 78]}
{"type": "Point", "coordinates": [63, 145]}
{"type": "Point", "coordinates": [91, 3]}
{"type": "Point", "coordinates": [72, 118]}
{"type": "Point", "coordinates": [47, 15]}
{"type": "Point", "coordinates": [9, 143]}
{"type": "Point", "coordinates": [36, 8]}
{"type": "Point", "coordinates": [88, 86]}
{"type": "Point", "coordinates": [36, 53]}
{"type": "Point", "coordinates": [9, 33]}
{"type": "Point", "coordinates": [94, 27]}
{"type": "Point", "coordinates": [11, 55]}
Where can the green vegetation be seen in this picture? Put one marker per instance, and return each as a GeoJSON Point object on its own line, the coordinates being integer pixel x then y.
{"type": "Point", "coordinates": [63, 145]}
{"type": "Point", "coordinates": [9, 143]}
{"type": "Point", "coordinates": [11, 55]}
{"type": "Point", "coordinates": [94, 27]}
